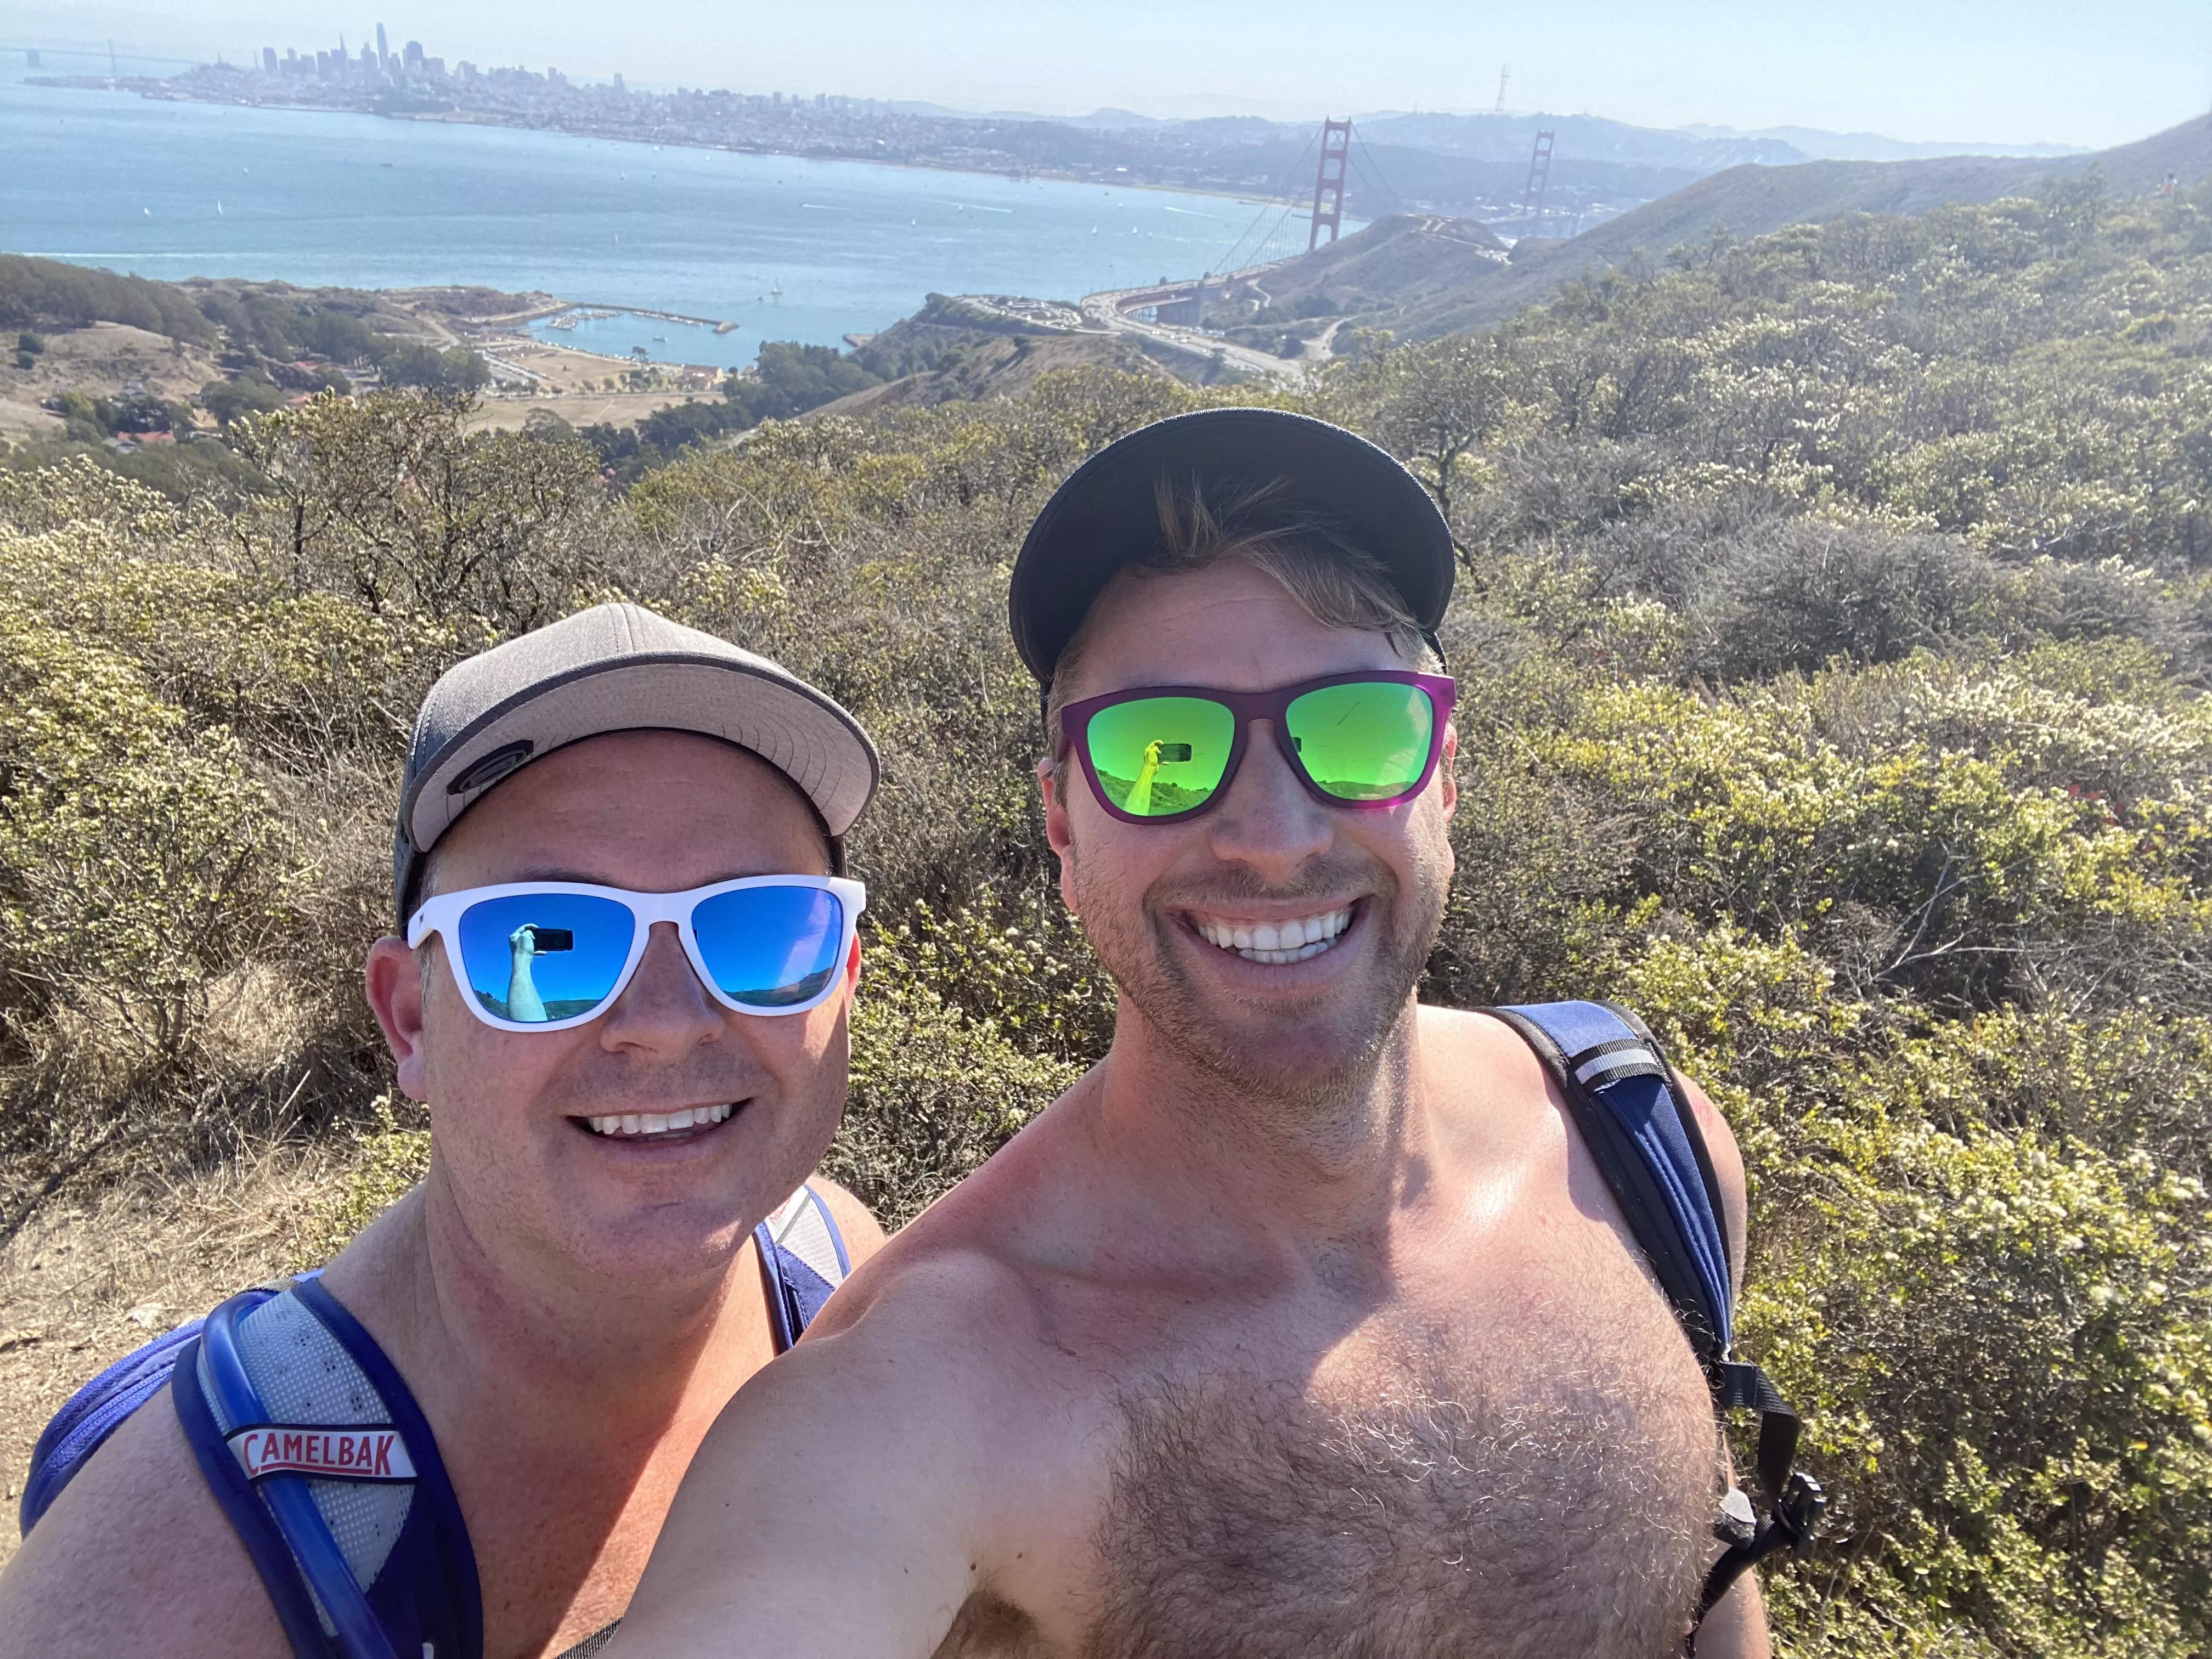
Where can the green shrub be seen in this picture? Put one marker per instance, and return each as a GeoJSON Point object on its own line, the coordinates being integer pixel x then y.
{"type": "Point", "coordinates": [1830, 644]}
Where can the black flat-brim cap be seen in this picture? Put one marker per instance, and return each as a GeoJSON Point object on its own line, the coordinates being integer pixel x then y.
{"type": "Point", "coordinates": [615, 668]}
{"type": "Point", "coordinates": [1106, 514]}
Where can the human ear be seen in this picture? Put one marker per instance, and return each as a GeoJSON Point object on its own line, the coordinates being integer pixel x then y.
{"type": "Point", "coordinates": [394, 979]}
{"type": "Point", "coordinates": [1058, 833]}
{"type": "Point", "coordinates": [1445, 765]}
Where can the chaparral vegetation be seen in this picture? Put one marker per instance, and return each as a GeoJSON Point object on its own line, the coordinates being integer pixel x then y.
{"type": "Point", "coordinates": [1831, 628]}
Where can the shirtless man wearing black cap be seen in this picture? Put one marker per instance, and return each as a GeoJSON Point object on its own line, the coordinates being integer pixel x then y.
{"type": "Point", "coordinates": [1309, 1320]}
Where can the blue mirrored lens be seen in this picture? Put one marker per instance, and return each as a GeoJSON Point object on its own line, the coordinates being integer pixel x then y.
{"type": "Point", "coordinates": [770, 947]}
{"type": "Point", "coordinates": [534, 958]}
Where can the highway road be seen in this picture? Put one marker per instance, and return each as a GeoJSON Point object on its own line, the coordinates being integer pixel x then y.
{"type": "Point", "coordinates": [1101, 314]}
{"type": "Point", "coordinates": [1102, 311]}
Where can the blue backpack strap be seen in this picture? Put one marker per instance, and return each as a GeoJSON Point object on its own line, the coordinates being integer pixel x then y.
{"type": "Point", "coordinates": [1634, 1116]}
{"type": "Point", "coordinates": [102, 1406]}
{"type": "Point", "coordinates": [803, 1259]}
{"type": "Point", "coordinates": [265, 1544]}
{"type": "Point", "coordinates": [1650, 1151]}
{"type": "Point", "coordinates": [428, 1596]}
{"type": "Point", "coordinates": [93, 1413]}
{"type": "Point", "coordinates": [423, 1598]}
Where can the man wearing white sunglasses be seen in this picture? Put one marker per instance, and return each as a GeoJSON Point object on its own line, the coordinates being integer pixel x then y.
{"type": "Point", "coordinates": [629, 952]}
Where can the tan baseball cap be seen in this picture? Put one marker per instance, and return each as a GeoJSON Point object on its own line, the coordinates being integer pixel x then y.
{"type": "Point", "coordinates": [616, 668]}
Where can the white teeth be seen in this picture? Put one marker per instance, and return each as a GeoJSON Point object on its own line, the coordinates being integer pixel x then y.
{"type": "Point", "coordinates": [1277, 942]}
{"type": "Point", "coordinates": [657, 1123]}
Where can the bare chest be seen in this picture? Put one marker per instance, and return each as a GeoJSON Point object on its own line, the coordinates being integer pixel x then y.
{"type": "Point", "coordinates": [1528, 1467]}
{"type": "Point", "coordinates": [563, 1557]}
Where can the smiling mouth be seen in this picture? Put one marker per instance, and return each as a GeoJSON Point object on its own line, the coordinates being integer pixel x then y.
{"type": "Point", "coordinates": [688, 1124]}
{"type": "Point", "coordinates": [1277, 944]}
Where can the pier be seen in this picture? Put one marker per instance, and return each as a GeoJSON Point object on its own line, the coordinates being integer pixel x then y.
{"type": "Point", "coordinates": [714, 323]}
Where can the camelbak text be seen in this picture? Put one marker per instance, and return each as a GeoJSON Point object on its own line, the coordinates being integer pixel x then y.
{"type": "Point", "coordinates": [371, 1451]}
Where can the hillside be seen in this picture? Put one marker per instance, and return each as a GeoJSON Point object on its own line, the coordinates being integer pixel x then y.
{"type": "Point", "coordinates": [1750, 201]}
{"type": "Point", "coordinates": [1403, 260]}
{"type": "Point", "coordinates": [1834, 618]}
{"type": "Point", "coordinates": [947, 352]}
{"type": "Point", "coordinates": [1429, 287]}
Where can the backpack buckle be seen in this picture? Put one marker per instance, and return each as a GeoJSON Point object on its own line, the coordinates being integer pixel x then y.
{"type": "Point", "coordinates": [1799, 1509]}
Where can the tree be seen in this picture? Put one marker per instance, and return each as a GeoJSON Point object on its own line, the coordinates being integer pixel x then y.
{"type": "Point", "coordinates": [389, 502]}
{"type": "Point", "coordinates": [1433, 406]}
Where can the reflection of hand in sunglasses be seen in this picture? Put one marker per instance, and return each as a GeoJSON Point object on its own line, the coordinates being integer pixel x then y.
{"type": "Point", "coordinates": [523, 1001]}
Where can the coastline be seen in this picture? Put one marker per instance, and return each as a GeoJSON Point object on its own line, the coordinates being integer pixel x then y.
{"type": "Point", "coordinates": [157, 92]}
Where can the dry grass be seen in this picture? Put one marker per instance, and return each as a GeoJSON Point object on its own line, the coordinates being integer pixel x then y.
{"type": "Point", "coordinates": [97, 359]}
{"type": "Point", "coordinates": [578, 408]}
{"type": "Point", "coordinates": [81, 1287]}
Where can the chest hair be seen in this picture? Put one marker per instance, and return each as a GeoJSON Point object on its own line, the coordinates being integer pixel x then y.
{"type": "Point", "coordinates": [1566, 1516]}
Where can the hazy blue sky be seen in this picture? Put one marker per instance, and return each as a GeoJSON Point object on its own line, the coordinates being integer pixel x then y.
{"type": "Point", "coordinates": [2091, 72]}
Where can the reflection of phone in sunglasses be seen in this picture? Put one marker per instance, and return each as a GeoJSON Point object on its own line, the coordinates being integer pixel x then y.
{"type": "Point", "coordinates": [544, 940]}
{"type": "Point", "coordinates": [1174, 751]}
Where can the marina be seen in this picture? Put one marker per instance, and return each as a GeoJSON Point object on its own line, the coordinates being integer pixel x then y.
{"type": "Point", "coordinates": [696, 255]}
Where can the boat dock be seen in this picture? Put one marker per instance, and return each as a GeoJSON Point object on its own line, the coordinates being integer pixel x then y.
{"type": "Point", "coordinates": [714, 323]}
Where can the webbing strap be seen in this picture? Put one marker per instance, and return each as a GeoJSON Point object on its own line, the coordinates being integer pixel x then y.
{"type": "Point", "coordinates": [359, 1633]}
{"type": "Point", "coordinates": [1738, 1387]}
{"type": "Point", "coordinates": [1648, 1147]}
{"type": "Point", "coordinates": [1637, 1126]}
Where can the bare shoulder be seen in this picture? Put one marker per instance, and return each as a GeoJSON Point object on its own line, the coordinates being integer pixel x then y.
{"type": "Point", "coordinates": [1482, 1049]}
{"type": "Point", "coordinates": [1481, 1045]}
{"type": "Point", "coordinates": [135, 1557]}
{"type": "Point", "coordinates": [935, 1369]}
{"type": "Point", "coordinates": [862, 1233]}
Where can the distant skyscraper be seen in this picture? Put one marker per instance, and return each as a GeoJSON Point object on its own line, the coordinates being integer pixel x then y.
{"type": "Point", "coordinates": [269, 60]}
{"type": "Point", "coordinates": [383, 51]}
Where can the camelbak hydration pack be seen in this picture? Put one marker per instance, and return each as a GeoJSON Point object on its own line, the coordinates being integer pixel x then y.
{"type": "Point", "coordinates": [313, 1443]}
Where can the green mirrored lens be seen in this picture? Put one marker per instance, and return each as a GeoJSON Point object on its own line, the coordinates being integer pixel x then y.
{"type": "Point", "coordinates": [1364, 740]}
{"type": "Point", "coordinates": [1156, 757]}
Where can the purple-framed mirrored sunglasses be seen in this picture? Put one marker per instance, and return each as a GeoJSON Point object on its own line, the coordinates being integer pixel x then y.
{"type": "Point", "coordinates": [1159, 754]}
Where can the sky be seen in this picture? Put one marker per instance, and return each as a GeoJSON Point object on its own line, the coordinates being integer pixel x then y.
{"type": "Point", "coordinates": [2084, 72]}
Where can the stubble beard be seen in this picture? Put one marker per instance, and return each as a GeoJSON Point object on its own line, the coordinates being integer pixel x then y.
{"type": "Point", "coordinates": [1298, 1059]}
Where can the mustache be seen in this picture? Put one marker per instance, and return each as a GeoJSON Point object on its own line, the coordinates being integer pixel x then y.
{"type": "Point", "coordinates": [598, 1090]}
{"type": "Point", "coordinates": [1233, 885]}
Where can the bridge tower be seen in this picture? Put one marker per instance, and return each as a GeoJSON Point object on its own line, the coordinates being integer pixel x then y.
{"type": "Point", "coordinates": [1328, 181]}
{"type": "Point", "coordinates": [1540, 184]}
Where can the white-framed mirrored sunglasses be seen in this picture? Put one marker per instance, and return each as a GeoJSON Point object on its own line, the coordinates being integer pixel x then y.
{"type": "Point", "coordinates": [544, 955]}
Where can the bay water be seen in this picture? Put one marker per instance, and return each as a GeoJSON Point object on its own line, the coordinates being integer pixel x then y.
{"type": "Point", "coordinates": [787, 249]}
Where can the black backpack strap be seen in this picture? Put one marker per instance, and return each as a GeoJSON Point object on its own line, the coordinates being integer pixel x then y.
{"type": "Point", "coordinates": [1634, 1115]}
{"type": "Point", "coordinates": [1794, 1499]}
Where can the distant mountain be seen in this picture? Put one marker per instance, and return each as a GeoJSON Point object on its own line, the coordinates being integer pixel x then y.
{"type": "Point", "coordinates": [1575, 137]}
{"type": "Point", "coordinates": [1819, 146]}
{"type": "Point", "coordinates": [1114, 120]}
